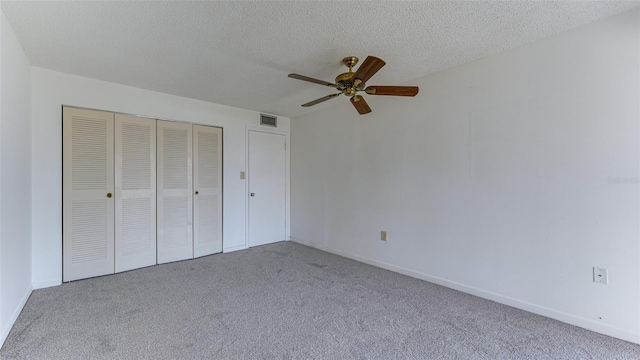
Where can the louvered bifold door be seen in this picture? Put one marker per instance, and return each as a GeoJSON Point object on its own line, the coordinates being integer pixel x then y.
{"type": "Point", "coordinates": [135, 195]}
{"type": "Point", "coordinates": [175, 197]}
{"type": "Point", "coordinates": [207, 186]}
{"type": "Point", "coordinates": [88, 187]}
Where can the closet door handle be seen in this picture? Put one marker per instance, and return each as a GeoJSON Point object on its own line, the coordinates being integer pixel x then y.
{"type": "Point", "coordinates": [109, 195]}
{"type": "Point", "coordinates": [196, 192]}
{"type": "Point", "coordinates": [253, 194]}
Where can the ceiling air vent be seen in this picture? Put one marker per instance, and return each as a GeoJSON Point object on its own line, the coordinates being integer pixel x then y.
{"type": "Point", "coordinates": [268, 120]}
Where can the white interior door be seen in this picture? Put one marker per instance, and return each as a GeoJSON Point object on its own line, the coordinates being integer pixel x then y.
{"type": "Point", "coordinates": [175, 185]}
{"type": "Point", "coordinates": [267, 188]}
{"type": "Point", "coordinates": [207, 185]}
{"type": "Point", "coordinates": [88, 187]}
{"type": "Point", "coordinates": [135, 195]}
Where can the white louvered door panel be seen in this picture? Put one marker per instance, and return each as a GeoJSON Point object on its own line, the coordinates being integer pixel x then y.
{"type": "Point", "coordinates": [175, 197]}
{"type": "Point", "coordinates": [135, 195]}
{"type": "Point", "coordinates": [207, 185]}
{"type": "Point", "coordinates": [88, 185]}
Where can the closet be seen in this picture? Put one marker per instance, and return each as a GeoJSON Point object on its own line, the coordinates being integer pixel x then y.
{"type": "Point", "coordinates": [137, 192]}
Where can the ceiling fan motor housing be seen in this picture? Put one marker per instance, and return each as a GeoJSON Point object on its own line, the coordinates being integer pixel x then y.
{"type": "Point", "coordinates": [344, 80]}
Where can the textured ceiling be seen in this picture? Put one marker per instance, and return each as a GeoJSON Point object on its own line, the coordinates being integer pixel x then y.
{"type": "Point", "coordinates": [239, 53]}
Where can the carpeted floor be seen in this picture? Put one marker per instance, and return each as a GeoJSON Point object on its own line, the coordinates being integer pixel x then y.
{"type": "Point", "coordinates": [285, 301]}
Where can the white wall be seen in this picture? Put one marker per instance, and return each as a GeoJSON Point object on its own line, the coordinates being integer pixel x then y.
{"type": "Point", "coordinates": [51, 90]}
{"type": "Point", "coordinates": [15, 178]}
{"type": "Point", "coordinates": [498, 179]}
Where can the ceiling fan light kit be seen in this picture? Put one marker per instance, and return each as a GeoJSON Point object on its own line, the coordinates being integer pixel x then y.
{"type": "Point", "coordinates": [350, 83]}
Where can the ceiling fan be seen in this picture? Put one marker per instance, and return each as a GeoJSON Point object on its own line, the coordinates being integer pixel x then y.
{"type": "Point", "coordinates": [350, 83]}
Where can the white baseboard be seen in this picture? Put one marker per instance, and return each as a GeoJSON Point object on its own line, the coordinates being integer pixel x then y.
{"type": "Point", "coordinates": [12, 320]}
{"type": "Point", "coordinates": [234, 248]}
{"type": "Point", "coordinates": [506, 300]}
{"type": "Point", "coordinates": [46, 283]}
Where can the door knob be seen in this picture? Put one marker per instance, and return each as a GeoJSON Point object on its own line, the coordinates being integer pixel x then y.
{"type": "Point", "coordinates": [109, 195]}
{"type": "Point", "coordinates": [196, 192]}
{"type": "Point", "coordinates": [253, 194]}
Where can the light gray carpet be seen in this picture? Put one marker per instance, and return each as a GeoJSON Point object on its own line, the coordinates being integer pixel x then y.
{"type": "Point", "coordinates": [285, 301]}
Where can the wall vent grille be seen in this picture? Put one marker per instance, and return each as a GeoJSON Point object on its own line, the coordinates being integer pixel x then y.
{"type": "Point", "coordinates": [268, 120]}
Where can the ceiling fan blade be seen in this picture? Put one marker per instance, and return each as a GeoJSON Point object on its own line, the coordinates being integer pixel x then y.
{"type": "Point", "coordinates": [369, 67]}
{"type": "Point", "coordinates": [318, 101]}
{"type": "Point", "coordinates": [315, 81]}
{"type": "Point", "coordinates": [360, 105]}
{"type": "Point", "coordinates": [392, 90]}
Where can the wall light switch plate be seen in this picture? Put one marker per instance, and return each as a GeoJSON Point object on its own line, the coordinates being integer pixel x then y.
{"type": "Point", "coordinates": [243, 175]}
{"type": "Point", "coordinates": [383, 235]}
{"type": "Point", "coordinates": [600, 276]}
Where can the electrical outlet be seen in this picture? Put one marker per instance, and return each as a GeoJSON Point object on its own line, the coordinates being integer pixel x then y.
{"type": "Point", "coordinates": [600, 276]}
{"type": "Point", "coordinates": [242, 175]}
{"type": "Point", "coordinates": [383, 235]}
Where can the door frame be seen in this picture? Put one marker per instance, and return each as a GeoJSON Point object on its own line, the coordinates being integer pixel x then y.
{"type": "Point", "coordinates": [287, 215]}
